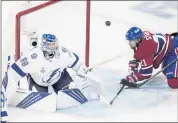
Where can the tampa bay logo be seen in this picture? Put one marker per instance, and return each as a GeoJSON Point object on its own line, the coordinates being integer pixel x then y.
{"type": "Point", "coordinates": [52, 76]}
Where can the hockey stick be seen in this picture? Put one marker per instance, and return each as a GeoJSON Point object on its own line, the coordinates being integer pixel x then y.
{"type": "Point", "coordinates": [141, 84]}
{"type": "Point", "coordinates": [117, 95]}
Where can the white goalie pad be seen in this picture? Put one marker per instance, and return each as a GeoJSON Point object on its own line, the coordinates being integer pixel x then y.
{"type": "Point", "coordinates": [69, 98]}
{"type": "Point", "coordinates": [40, 101]}
{"type": "Point", "coordinates": [50, 102]}
{"type": "Point", "coordinates": [76, 95]}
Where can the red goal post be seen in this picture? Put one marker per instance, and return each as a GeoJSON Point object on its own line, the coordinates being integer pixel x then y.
{"type": "Point", "coordinates": [42, 6]}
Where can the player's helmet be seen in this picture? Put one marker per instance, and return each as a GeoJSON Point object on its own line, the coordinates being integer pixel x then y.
{"type": "Point", "coordinates": [49, 43]}
{"type": "Point", "coordinates": [134, 34]}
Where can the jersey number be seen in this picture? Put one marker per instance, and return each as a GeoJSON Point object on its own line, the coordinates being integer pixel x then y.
{"type": "Point", "coordinates": [24, 61]}
{"type": "Point", "coordinates": [143, 63]}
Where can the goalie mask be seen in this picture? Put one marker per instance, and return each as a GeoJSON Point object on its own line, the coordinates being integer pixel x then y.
{"type": "Point", "coordinates": [49, 44]}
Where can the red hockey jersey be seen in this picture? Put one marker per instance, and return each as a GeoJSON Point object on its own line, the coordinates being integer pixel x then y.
{"type": "Point", "coordinates": [151, 52]}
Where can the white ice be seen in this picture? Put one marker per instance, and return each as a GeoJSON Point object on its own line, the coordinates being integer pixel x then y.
{"type": "Point", "coordinates": [110, 54]}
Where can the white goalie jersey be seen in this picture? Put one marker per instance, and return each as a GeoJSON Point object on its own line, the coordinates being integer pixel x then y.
{"type": "Point", "coordinates": [44, 72]}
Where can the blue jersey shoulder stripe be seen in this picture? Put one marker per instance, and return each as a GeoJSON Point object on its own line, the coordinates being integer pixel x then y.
{"type": "Point", "coordinates": [18, 70]}
{"type": "Point", "coordinates": [77, 58]}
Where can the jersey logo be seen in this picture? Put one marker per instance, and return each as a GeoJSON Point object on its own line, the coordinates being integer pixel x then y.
{"type": "Point", "coordinates": [34, 56]}
{"type": "Point", "coordinates": [64, 49]}
{"type": "Point", "coordinates": [53, 76]}
{"type": "Point", "coordinates": [136, 31]}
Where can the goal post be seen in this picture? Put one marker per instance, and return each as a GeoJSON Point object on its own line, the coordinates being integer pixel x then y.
{"type": "Point", "coordinates": [18, 26]}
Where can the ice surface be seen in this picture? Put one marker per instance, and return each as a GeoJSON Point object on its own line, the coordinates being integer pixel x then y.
{"type": "Point", "coordinates": [110, 53]}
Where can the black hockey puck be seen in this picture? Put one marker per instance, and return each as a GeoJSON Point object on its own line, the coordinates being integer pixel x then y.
{"type": "Point", "coordinates": [108, 23]}
{"type": "Point", "coordinates": [34, 43]}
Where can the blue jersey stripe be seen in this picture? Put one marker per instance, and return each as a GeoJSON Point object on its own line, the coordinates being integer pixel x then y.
{"type": "Point", "coordinates": [77, 58]}
{"type": "Point", "coordinates": [18, 70]}
{"type": "Point", "coordinates": [146, 71]}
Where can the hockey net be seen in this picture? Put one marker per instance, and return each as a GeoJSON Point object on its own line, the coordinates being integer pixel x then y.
{"type": "Point", "coordinates": [68, 20]}
{"type": "Point", "coordinates": [79, 26]}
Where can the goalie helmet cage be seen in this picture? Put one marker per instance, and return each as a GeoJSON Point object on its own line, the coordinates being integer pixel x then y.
{"type": "Point", "coordinates": [42, 6]}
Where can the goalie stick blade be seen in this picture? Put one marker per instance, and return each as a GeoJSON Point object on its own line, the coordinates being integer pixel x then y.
{"type": "Point", "coordinates": [104, 100]}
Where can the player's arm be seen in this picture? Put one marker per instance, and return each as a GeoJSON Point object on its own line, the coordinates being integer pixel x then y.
{"type": "Point", "coordinates": [16, 72]}
{"type": "Point", "coordinates": [145, 71]}
{"type": "Point", "coordinates": [75, 62]}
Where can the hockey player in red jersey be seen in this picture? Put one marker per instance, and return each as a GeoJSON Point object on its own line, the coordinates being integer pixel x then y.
{"type": "Point", "coordinates": [150, 51]}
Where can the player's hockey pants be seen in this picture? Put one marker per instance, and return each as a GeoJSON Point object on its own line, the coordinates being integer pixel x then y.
{"type": "Point", "coordinates": [172, 71]}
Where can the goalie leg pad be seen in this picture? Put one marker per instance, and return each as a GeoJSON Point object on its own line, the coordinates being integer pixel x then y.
{"type": "Point", "coordinates": [34, 100]}
{"type": "Point", "coordinates": [70, 98]}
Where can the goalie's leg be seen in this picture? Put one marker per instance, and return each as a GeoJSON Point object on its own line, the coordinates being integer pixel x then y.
{"type": "Point", "coordinates": [66, 83]}
{"type": "Point", "coordinates": [63, 82]}
{"type": "Point", "coordinates": [35, 87]}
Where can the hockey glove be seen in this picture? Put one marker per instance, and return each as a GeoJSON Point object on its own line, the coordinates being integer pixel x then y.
{"type": "Point", "coordinates": [84, 70]}
{"type": "Point", "coordinates": [133, 67]}
{"type": "Point", "coordinates": [129, 81]}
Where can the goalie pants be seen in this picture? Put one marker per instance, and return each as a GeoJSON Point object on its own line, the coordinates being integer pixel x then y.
{"type": "Point", "coordinates": [172, 72]}
{"type": "Point", "coordinates": [62, 83]}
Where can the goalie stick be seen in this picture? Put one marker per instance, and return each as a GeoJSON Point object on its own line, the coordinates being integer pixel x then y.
{"type": "Point", "coordinates": [141, 84]}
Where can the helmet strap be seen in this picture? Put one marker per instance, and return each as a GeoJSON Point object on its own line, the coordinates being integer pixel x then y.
{"type": "Point", "coordinates": [139, 41]}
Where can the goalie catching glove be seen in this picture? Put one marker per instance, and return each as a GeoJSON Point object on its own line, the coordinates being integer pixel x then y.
{"type": "Point", "coordinates": [83, 69]}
